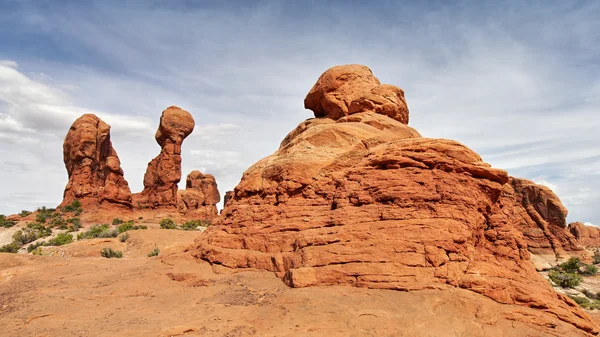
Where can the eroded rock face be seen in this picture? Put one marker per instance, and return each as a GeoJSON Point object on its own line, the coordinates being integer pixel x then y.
{"type": "Point", "coordinates": [95, 174]}
{"type": "Point", "coordinates": [164, 172]}
{"type": "Point", "coordinates": [363, 200]}
{"type": "Point", "coordinates": [542, 218]}
{"type": "Point", "coordinates": [350, 89]}
{"type": "Point", "coordinates": [201, 196]}
{"type": "Point", "coordinates": [588, 236]}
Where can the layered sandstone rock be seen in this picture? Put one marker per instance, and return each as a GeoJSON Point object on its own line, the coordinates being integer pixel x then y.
{"type": "Point", "coordinates": [361, 199]}
{"type": "Point", "coordinates": [95, 174]}
{"type": "Point", "coordinates": [164, 172]}
{"type": "Point", "coordinates": [542, 218]}
{"type": "Point", "coordinates": [200, 197]}
{"type": "Point", "coordinates": [588, 236]}
{"type": "Point", "coordinates": [349, 89]}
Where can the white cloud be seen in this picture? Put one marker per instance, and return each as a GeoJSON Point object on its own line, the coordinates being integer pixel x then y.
{"type": "Point", "coordinates": [590, 224]}
{"type": "Point", "coordinates": [551, 186]}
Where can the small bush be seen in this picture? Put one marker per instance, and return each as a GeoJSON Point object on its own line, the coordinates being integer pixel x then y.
{"type": "Point", "coordinates": [24, 213]}
{"type": "Point", "coordinates": [73, 207]}
{"type": "Point", "coordinates": [117, 221]}
{"type": "Point", "coordinates": [586, 303]}
{"type": "Point", "coordinates": [191, 225]}
{"type": "Point", "coordinates": [43, 214]}
{"type": "Point", "coordinates": [154, 252]}
{"type": "Point", "coordinates": [130, 226]}
{"type": "Point", "coordinates": [168, 223]}
{"type": "Point", "coordinates": [61, 239]}
{"type": "Point", "coordinates": [141, 218]}
{"type": "Point", "coordinates": [589, 270]}
{"type": "Point", "coordinates": [57, 221]}
{"type": "Point", "coordinates": [596, 257]}
{"type": "Point", "coordinates": [98, 231]}
{"type": "Point", "coordinates": [6, 223]}
{"type": "Point", "coordinates": [571, 266]}
{"type": "Point", "coordinates": [124, 237]}
{"type": "Point", "coordinates": [32, 232]}
{"type": "Point", "coordinates": [10, 248]}
{"type": "Point", "coordinates": [109, 253]}
{"type": "Point", "coordinates": [565, 280]}
{"type": "Point", "coordinates": [74, 224]}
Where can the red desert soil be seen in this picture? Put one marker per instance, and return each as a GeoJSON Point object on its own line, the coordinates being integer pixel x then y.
{"type": "Point", "coordinates": [174, 294]}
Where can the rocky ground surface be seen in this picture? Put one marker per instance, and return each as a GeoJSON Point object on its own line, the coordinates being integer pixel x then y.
{"type": "Point", "coordinates": [76, 292]}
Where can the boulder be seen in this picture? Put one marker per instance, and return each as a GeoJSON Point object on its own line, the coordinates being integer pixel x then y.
{"type": "Point", "coordinates": [94, 169]}
{"type": "Point", "coordinates": [349, 89]}
{"type": "Point", "coordinates": [588, 236]}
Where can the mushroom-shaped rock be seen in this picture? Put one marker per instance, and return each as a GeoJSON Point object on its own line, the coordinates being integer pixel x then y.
{"type": "Point", "coordinates": [164, 172]}
{"type": "Point", "coordinates": [350, 89]}
{"type": "Point", "coordinates": [200, 198]}
{"type": "Point", "coordinates": [94, 168]}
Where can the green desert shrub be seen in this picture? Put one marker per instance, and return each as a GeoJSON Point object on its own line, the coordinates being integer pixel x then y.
{"type": "Point", "coordinates": [571, 266]}
{"type": "Point", "coordinates": [589, 294]}
{"type": "Point", "coordinates": [43, 214]}
{"type": "Point", "coordinates": [168, 223]}
{"type": "Point", "coordinates": [24, 213]}
{"type": "Point", "coordinates": [98, 231]}
{"type": "Point", "coordinates": [596, 257]}
{"type": "Point", "coordinates": [129, 226]}
{"type": "Point", "coordinates": [154, 252]}
{"type": "Point", "coordinates": [565, 280]}
{"type": "Point", "coordinates": [117, 221]}
{"type": "Point", "coordinates": [61, 239]}
{"type": "Point", "coordinates": [6, 223]}
{"type": "Point", "coordinates": [586, 303]}
{"type": "Point", "coordinates": [191, 225]}
{"type": "Point", "coordinates": [124, 237]}
{"type": "Point", "coordinates": [10, 248]}
{"type": "Point", "coordinates": [589, 270]}
{"type": "Point", "coordinates": [74, 206]}
{"type": "Point", "coordinates": [109, 253]}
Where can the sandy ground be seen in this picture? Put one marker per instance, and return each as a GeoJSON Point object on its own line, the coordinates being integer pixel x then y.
{"type": "Point", "coordinates": [75, 292]}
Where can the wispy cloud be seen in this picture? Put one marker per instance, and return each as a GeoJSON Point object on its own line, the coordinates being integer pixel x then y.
{"type": "Point", "coordinates": [517, 82]}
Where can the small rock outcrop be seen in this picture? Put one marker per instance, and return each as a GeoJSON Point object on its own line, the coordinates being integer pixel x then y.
{"type": "Point", "coordinates": [94, 169]}
{"type": "Point", "coordinates": [164, 172]}
{"type": "Point", "coordinates": [588, 236]}
{"type": "Point", "coordinates": [350, 89]}
{"type": "Point", "coordinates": [200, 197]}
{"type": "Point", "coordinates": [542, 218]}
{"type": "Point", "coordinates": [358, 198]}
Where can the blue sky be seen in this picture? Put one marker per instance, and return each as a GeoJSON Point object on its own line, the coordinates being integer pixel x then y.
{"type": "Point", "coordinates": [517, 81]}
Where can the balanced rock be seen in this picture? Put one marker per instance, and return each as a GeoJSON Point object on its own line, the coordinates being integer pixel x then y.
{"type": "Point", "coordinates": [542, 218]}
{"type": "Point", "coordinates": [350, 89]}
{"type": "Point", "coordinates": [588, 236]}
{"type": "Point", "coordinates": [200, 197]}
{"type": "Point", "coordinates": [93, 166]}
{"type": "Point", "coordinates": [164, 172]}
{"type": "Point", "coordinates": [361, 199]}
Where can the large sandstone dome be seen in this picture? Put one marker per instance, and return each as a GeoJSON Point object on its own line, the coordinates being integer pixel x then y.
{"type": "Point", "coordinates": [358, 198]}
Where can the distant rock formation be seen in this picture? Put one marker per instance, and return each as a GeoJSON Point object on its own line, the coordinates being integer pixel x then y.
{"type": "Point", "coordinates": [542, 218]}
{"type": "Point", "coordinates": [357, 197]}
{"type": "Point", "coordinates": [588, 236]}
{"type": "Point", "coordinates": [200, 197]}
{"type": "Point", "coordinates": [164, 172]}
{"type": "Point", "coordinates": [95, 174]}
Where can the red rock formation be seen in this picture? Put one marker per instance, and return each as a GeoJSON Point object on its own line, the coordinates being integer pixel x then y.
{"type": "Point", "coordinates": [363, 200]}
{"type": "Point", "coordinates": [349, 89]}
{"type": "Point", "coordinates": [588, 236]}
{"type": "Point", "coordinates": [95, 174]}
{"type": "Point", "coordinates": [164, 171]}
{"type": "Point", "coordinates": [200, 198]}
{"type": "Point", "coordinates": [542, 218]}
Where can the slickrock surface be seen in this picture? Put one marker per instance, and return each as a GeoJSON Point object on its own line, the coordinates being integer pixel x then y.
{"type": "Point", "coordinates": [164, 172]}
{"type": "Point", "coordinates": [200, 197]}
{"type": "Point", "coordinates": [542, 218]}
{"type": "Point", "coordinates": [95, 174]}
{"type": "Point", "coordinates": [349, 89]}
{"type": "Point", "coordinates": [588, 236]}
{"type": "Point", "coordinates": [74, 294]}
{"type": "Point", "coordinates": [363, 200]}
